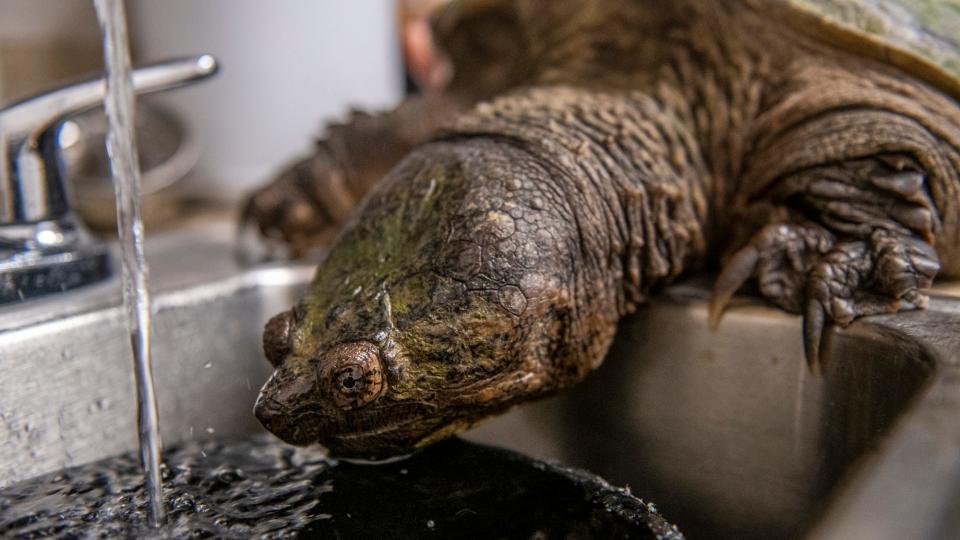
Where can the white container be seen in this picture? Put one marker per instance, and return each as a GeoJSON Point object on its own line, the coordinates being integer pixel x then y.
{"type": "Point", "coordinates": [286, 68]}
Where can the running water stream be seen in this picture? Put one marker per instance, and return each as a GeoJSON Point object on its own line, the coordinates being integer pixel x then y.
{"type": "Point", "coordinates": [125, 167]}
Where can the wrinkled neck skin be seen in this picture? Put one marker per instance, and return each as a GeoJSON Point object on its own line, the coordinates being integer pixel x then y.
{"type": "Point", "coordinates": [630, 179]}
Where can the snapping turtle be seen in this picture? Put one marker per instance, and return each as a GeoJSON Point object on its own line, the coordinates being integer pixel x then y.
{"type": "Point", "coordinates": [585, 152]}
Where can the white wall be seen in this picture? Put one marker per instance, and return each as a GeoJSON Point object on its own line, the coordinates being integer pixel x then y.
{"type": "Point", "coordinates": [286, 66]}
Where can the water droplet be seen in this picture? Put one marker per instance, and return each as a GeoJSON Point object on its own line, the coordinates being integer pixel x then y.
{"type": "Point", "coordinates": [103, 403]}
{"type": "Point", "coordinates": [430, 523]}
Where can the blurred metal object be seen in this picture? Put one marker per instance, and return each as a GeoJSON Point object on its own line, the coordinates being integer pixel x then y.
{"type": "Point", "coordinates": [31, 183]}
{"type": "Point", "coordinates": [43, 248]}
{"type": "Point", "coordinates": [167, 152]}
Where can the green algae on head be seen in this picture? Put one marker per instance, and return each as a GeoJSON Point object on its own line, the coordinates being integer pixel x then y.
{"type": "Point", "coordinates": [419, 322]}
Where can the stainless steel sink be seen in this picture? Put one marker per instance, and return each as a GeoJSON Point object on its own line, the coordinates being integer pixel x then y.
{"type": "Point", "coordinates": [733, 437]}
{"type": "Point", "coordinates": [727, 432]}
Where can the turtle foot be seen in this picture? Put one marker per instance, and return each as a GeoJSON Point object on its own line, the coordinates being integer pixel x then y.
{"type": "Point", "coordinates": [803, 268]}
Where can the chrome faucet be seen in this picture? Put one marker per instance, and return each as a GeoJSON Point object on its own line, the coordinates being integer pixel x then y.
{"type": "Point", "coordinates": [43, 247]}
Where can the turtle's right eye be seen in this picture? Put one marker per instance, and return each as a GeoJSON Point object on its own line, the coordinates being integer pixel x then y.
{"type": "Point", "coordinates": [353, 374]}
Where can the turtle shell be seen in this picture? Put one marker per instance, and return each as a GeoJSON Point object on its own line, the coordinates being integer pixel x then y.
{"type": "Point", "coordinates": [921, 37]}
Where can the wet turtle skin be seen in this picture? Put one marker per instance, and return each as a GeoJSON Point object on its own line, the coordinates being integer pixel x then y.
{"type": "Point", "coordinates": [584, 153]}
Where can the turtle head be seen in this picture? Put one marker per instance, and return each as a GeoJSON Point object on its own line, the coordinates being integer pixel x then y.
{"type": "Point", "coordinates": [398, 342]}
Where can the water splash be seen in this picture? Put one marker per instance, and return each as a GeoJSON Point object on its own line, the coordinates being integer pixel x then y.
{"type": "Point", "coordinates": [258, 487]}
{"type": "Point", "coordinates": [125, 167]}
{"type": "Point", "coordinates": [234, 488]}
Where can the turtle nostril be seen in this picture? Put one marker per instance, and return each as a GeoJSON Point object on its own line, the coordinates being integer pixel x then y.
{"type": "Point", "coordinates": [268, 412]}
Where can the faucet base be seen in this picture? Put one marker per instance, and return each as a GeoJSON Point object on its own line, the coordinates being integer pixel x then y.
{"type": "Point", "coordinates": [49, 257]}
{"type": "Point", "coordinates": [21, 279]}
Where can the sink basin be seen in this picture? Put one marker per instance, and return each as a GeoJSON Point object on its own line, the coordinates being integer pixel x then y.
{"type": "Point", "coordinates": [727, 432]}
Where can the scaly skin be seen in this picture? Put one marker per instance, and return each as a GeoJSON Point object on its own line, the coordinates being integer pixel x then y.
{"type": "Point", "coordinates": [493, 263]}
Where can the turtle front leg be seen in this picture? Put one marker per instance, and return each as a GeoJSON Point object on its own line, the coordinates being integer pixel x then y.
{"type": "Point", "coordinates": [306, 204]}
{"type": "Point", "coordinates": [885, 274]}
{"type": "Point", "coordinates": [858, 243]}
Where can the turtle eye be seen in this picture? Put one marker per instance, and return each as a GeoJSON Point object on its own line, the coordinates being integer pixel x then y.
{"type": "Point", "coordinates": [352, 374]}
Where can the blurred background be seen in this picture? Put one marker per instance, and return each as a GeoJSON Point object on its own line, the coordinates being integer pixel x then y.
{"type": "Point", "coordinates": [286, 68]}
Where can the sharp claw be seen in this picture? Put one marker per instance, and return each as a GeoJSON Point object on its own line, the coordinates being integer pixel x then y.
{"type": "Point", "coordinates": [813, 321]}
{"type": "Point", "coordinates": [734, 275]}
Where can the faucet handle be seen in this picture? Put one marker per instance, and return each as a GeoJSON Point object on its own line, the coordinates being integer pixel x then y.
{"type": "Point", "coordinates": [43, 248]}
{"type": "Point", "coordinates": [31, 184]}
